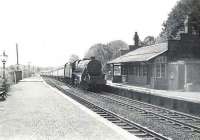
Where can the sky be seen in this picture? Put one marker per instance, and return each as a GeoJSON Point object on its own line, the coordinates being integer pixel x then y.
{"type": "Point", "coordinates": [49, 31]}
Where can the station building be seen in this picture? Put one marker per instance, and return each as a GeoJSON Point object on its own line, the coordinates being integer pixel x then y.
{"type": "Point", "coordinates": [172, 65]}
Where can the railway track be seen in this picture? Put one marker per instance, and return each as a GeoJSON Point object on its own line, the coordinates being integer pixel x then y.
{"type": "Point", "coordinates": [132, 127]}
{"type": "Point", "coordinates": [184, 121]}
{"type": "Point", "coordinates": [178, 119]}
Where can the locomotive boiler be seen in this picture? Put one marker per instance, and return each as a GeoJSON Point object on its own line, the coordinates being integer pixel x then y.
{"type": "Point", "coordinates": [86, 73]}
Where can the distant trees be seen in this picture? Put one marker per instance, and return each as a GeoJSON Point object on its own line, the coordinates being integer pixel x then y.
{"type": "Point", "coordinates": [100, 52]}
{"type": "Point", "coordinates": [116, 46]}
{"type": "Point", "coordinates": [175, 22]}
{"type": "Point", "coordinates": [149, 40]}
{"type": "Point", "coordinates": [106, 52]}
{"type": "Point", "coordinates": [73, 58]}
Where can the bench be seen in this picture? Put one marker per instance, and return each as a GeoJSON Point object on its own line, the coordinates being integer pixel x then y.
{"type": "Point", "coordinates": [2, 92]}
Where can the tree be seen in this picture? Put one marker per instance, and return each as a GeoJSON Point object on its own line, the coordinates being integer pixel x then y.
{"type": "Point", "coordinates": [105, 53]}
{"type": "Point", "coordinates": [149, 40]}
{"type": "Point", "coordinates": [73, 58]}
{"type": "Point", "coordinates": [174, 25]}
{"type": "Point", "coordinates": [100, 52]}
{"type": "Point", "coordinates": [116, 46]}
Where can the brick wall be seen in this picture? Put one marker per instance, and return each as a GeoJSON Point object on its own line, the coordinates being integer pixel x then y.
{"type": "Point", "coordinates": [187, 47]}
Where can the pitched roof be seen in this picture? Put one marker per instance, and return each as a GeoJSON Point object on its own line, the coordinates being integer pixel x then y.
{"type": "Point", "coordinates": [142, 54]}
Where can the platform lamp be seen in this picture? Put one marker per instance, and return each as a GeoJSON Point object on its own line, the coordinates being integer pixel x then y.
{"type": "Point", "coordinates": [3, 60]}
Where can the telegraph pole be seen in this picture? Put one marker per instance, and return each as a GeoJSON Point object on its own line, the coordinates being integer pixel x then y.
{"type": "Point", "coordinates": [18, 72]}
{"type": "Point", "coordinates": [17, 56]}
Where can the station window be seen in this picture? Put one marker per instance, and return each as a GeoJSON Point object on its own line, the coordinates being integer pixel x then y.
{"type": "Point", "coordinates": [140, 70]}
{"type": "Point", "coordinates": [160, 67]}
{"type": "Point", "coordinates": [163, 70]}
{"type": "Point", "coordinates": [144, 70]}
{"type": "Point", "coordinates": [130, 69]}
{"type": "Point", "coordinates": [137, 70]}
{"type": "Point", "coordinates": [134, 70]}
{"type": "Point", "coordinates": [124, 70]}
{"type": "Point", "coordinates": [158, 70]}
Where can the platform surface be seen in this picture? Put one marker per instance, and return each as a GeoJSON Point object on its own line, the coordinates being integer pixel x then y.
{"type": "Point", "coordinates": [35, 111]}
{"type": "Point", "coordinates": [179, 95]}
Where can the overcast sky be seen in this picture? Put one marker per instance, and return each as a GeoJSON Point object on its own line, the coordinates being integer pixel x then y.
{"type": "Point", "coordinates": [49, 31]}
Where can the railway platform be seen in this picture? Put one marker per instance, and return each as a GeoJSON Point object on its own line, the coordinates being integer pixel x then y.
{"type": "Point", "coordinates": [187, 102]}
{"type": "Point", "coordinates": [34, 110]}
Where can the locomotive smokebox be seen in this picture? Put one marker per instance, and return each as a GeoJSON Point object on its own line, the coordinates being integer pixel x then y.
{"type": "Point", "coordinates": [94, 67]}
{"type": "Point", "coordinates": [92, 57]}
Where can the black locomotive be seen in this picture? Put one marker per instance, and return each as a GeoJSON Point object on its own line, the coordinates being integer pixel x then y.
{"type": "Point", "coordinates": [86, 73]}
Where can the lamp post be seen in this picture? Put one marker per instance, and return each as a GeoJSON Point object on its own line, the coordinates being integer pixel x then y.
{"type": "Point", "coordinates": [3, 60]}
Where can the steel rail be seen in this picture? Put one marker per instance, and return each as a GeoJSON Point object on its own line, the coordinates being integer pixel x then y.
{"type": "Point", "coordinates": [130, 107]}
{"type": "Point", "coordinates": [175, 114]}
{"type": "Point", "coordinates": [132, 127]}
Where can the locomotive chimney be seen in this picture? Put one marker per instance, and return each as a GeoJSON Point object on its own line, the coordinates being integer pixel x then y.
{"type": "Point", "coordinates": [92, 58]}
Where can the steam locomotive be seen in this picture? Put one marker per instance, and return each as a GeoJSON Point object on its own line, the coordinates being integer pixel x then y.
{"type": "Point", "coordinates": [86, 73]}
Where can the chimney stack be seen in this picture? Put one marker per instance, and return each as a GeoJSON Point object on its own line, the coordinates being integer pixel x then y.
{"type": "Point", "coordinates": [136, 39]}
{"type": "Point", "coordinates": [136, 42]}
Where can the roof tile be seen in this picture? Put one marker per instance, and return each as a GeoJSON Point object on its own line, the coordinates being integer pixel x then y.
{"type": "Point", "coordinates": [142, 54]}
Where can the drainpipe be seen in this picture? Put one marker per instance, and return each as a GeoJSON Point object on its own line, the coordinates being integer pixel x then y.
{"type": "Point", "coordinates": [185, 77]}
